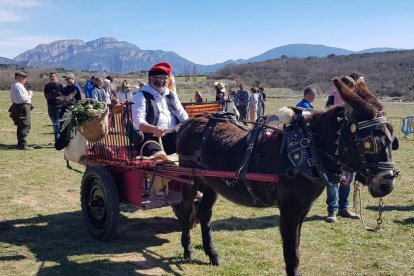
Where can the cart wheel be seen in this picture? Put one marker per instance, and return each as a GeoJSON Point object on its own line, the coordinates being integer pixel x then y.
{"type": "Point", "coordinates": [100, 202]}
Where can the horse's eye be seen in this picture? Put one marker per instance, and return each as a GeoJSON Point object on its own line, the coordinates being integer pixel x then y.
{"type": "Point", "coordinates": [395, 144]}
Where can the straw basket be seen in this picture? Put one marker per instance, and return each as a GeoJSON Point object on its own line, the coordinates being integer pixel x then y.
{"type": "Point", "coordinates": [95, 128]}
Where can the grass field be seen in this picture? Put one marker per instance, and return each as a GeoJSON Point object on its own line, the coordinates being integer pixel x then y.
{"type": "Point", "coordinates": [42, 233]}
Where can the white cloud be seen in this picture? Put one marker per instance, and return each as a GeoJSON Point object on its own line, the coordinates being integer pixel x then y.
{"type": "Point", "coordinates": [8, 16]}
{"type": "Point", "coordinates": [14, 44]}
{"type": "Point", "coordinates": [14, 11]}
{"type": "Point", "coordinates": [11, 4]}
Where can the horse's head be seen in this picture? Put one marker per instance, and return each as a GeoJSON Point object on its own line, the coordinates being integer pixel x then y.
{"type": "Point", "coordinates": [366, 139]}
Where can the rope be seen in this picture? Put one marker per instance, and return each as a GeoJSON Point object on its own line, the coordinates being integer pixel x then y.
{"type": "Point", "coordinates": [149, 142]}
{"type": "Point", "coordinates": [356, 198]}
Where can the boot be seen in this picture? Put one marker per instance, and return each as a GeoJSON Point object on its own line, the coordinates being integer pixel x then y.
{"type": "Point", "coordinates": [24, 147]}
{"type": "Point", "coordinates": [345, 213]}
{"type": "Point", "coordinates": [331, 218]}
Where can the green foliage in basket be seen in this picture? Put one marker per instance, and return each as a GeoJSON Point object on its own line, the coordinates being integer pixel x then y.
{"type": "Point", "coordinates": [82, 111]}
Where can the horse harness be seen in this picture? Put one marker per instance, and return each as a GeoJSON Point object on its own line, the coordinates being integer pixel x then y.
{"type": "Point", "coordinates": [298, 141]}
{"type": "Point", "coordinates": [306, 159]}
{"type": "Point", "coordinates": [302, 152]}
{"type": "Point", "coordinates": [362, 136]}
{"type": "Point", "coordinates": [254, 138]}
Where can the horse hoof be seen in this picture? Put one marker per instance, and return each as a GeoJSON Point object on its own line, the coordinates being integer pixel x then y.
{"type": "Point", "coordinates": [214, 260]}
{"type": "Point", "coordinates": [188, 255]}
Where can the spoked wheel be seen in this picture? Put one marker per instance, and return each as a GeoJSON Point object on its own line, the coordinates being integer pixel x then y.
{"type": "Point", "coordinates": [100, 202]}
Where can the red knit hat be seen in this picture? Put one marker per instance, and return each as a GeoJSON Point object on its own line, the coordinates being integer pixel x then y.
{"type": "Point", "coordinates": [162, 68]}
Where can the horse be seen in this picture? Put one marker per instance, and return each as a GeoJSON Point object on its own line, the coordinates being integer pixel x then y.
{"type": "Point", "coordinates": [355, 137]}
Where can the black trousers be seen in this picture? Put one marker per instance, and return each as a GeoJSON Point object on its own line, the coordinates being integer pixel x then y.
{"type": "Point", "coordinates": [243, 112]}
{"type": "Point", "coordinates": [168, 142]}
{"type": "Point", "coordinates": [24, 114]}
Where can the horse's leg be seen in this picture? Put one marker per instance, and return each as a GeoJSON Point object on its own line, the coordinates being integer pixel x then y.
{"type": "Point", "coordinates": [205, 211]}
{"type": "Point", "coordinates": [290, 224]}
{"type": "Point", "coordinates": [187, 215]}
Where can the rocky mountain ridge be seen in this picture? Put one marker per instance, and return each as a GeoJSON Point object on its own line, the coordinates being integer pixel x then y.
{"type": "Point", "coordinates": [110, 55]}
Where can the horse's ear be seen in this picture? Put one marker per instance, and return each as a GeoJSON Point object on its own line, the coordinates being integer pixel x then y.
{"type": "Point", "coordinates": [360, 105]}
{"type": "Point", "coordinates": [363, 91]}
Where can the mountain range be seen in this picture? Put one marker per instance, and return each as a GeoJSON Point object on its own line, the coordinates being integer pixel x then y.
{"type": "Point", "coordinates": [110, 55]}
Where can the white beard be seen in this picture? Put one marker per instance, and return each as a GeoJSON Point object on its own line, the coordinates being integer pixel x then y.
{"type": "Point", "coordinates": [161, 89]}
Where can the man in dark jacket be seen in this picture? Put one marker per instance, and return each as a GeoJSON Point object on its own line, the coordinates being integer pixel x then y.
{"type": "Point", "coordinates": [53, 90]}
{"type": "Point", "coordinates": [71, 91]}
{"type": "Point", "coordinates": [241, 100]}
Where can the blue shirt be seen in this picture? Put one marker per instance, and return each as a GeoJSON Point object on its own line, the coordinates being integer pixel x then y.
{"type": "Point", "coordinates": [304, 104]}
{"type": "Point", "coordinates": [88, 89]}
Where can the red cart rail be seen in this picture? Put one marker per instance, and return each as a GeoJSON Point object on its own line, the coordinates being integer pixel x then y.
{"type": "Point", "coordinates": [117, 174]}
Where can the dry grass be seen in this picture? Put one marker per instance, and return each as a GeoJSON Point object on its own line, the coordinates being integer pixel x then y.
{"type": "Point", "coordinates": [41, 229]}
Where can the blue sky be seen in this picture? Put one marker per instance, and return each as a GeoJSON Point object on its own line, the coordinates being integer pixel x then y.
{"type": "Point", "coordinates": [209, 31]}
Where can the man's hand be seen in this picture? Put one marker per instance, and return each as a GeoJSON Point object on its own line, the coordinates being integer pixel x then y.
{"type": "Point", "coordinates": [158, 132]}
{"type": "Point", "coordinates": [61, 98]}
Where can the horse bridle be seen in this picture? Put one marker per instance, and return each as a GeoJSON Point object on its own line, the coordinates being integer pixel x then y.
{"type": "Point", "coordinates": [366, 144]}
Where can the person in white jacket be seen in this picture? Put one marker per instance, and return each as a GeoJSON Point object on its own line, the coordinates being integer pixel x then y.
{"type": "Point", "coordinates": [156, 110]}
{"type": "Point", "coordinates": [22, 109]}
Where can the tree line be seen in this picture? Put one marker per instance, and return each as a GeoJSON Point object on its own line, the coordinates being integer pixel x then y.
{"type": "Point", "coordinates": [387, 74]}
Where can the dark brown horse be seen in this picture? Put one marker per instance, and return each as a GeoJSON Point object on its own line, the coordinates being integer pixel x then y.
{"type": "Point", "coordinates": [354, 137]}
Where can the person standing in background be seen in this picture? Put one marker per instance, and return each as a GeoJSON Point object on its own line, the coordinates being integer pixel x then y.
{"type": "Point", "coordinates": [308, 97]}
{"type": "Point", "coordinates": [337, 195]}
{"type": "Point", "coordinates": [262, 100]}
{"type": "Point", "coordinates": [125, 94]}
{"type": "Point", "coordinates": [241, 100]}
{"type": "Point", "coordinates": [88, 87]}
{"type": "Point", "coordinates": [220, 91]}
{"type": "Point", "coordinates": [112, 88]}
{"type": "Point", "coordinates": [71, 92]}
{"type": "Point", "coordinates": [108, 94]}
{"type": "Point", "coordinates": [22, 108]}
{"type": "Point", "coordinates": [53, 90]}
{"type": "Point", "coordinates": [98, 93]}
{"type": "Point", "coordinates": [253, 103]}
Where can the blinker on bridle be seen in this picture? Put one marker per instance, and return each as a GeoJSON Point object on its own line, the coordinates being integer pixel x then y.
{"type": "Point", "coordinates": [367, 145]}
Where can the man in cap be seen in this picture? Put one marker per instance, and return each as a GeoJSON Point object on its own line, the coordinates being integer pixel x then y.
{"type": "Point", "coordinates": [53, 90]}
{"type": "Point", "coordinates": [22, 108]}
{"type": "Point", "coordinates": [308, 96]}
{"type": "Point", "coordinates": [71, 92]}
{"type": "Point", "coordinates": [157, 109]}
{"type": "Point", "coordinates": [220, 91]}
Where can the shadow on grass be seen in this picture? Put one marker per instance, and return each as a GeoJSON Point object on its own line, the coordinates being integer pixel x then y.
{"type": "Point", "coordinates": [242, 224]}
{"type": "Point", "coordinates": [35, 146]}
{"type": "Point", "coordinates": [8, 147]}
{"type": "Point", "coordinates": [63, 238]}
{"type": "Point", "coordinates": [405, 221]}
{"type": "Point", "coordinates": [401, 208]}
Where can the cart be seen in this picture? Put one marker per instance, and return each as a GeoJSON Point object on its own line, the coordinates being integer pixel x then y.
{"type": "Point", "coordinates": [117, 175]}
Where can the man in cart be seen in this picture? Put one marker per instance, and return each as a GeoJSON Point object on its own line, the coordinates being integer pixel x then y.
{"type": "Point", "coordinates": [156, 111]}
